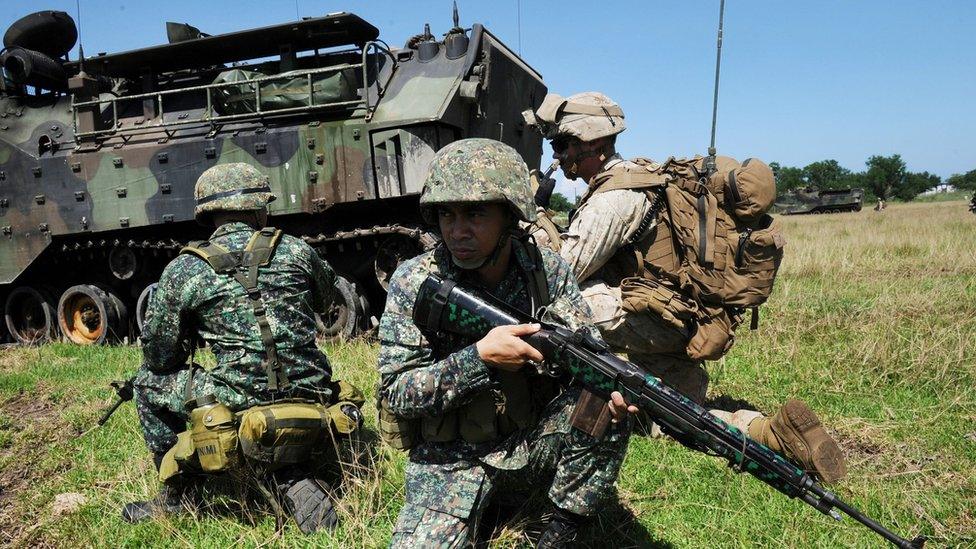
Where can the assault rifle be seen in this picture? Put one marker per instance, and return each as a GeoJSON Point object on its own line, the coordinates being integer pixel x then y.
{"type": "Point", "coordinates": [444, 306]}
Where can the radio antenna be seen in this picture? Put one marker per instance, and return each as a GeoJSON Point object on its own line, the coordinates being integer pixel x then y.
{"type": "Point", "coordinates": [710, 161]}
{"type": "Point", "coordinates": [81, 54]}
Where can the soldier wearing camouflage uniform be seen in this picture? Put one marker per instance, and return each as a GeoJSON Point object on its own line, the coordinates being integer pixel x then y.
{"type": "Point", "coordinates": [193, 301]}
{"type": "Point", "coordinates": [583, 129]}
{"type": "Point", "coordinates": [484, 426]}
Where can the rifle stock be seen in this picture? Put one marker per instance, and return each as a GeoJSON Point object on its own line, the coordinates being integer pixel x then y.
{"type": "Point", "coordinates": [443, 306]}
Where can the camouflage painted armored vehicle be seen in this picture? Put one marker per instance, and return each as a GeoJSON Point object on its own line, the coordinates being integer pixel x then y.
{"type": "Point", "coordinates": [811, 200]}
{"type": "Point", "coordinates": [98, 156]}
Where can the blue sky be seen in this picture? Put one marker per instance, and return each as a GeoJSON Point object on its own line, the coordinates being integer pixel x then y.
{"type": "Point", "coordinates": [801, 81]}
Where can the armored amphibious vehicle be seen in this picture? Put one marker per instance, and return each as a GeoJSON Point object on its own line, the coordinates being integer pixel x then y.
{"type": "Point", "coordinates": [99, 155]}
{"type": "Point", "coordinates": [811, 200]}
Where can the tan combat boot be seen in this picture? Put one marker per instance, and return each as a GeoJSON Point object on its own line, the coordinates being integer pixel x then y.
{"type": "Point", "coordinates": [795, 431]}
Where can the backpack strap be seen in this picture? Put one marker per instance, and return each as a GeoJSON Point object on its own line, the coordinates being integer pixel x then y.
{"type": "Point", "coordinates": [244, 266]}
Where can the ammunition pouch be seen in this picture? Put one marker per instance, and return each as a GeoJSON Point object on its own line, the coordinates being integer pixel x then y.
{"type": "Point", "coordinates": [283, 434]}
{"type": "Point", "coordinates": [491, 415]}
{"type": "Point", "coordinates": [714, 335]}
{"type": "Point", "coordinates": [645, 295]}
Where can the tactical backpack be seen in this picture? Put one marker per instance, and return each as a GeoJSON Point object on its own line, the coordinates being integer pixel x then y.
{"type": "Point", "coordinates": [714, 253]}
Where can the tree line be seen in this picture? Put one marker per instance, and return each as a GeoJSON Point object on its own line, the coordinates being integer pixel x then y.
{"type": "Point", "coordinates": [886, 177]}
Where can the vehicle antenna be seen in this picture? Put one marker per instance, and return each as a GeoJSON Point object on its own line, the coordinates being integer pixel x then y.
{"type": "Point", "coordinates": [456, 19]}
{"type": "Point", "coordinates": [518, 20]}
{"type": "Point", "coordinates": [81, 51]}
{"type": "Point", "coordinates": [710, 161]}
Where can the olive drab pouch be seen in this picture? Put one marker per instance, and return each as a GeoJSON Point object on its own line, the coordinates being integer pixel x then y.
{"type": "Point", "coordinates": [179, 458]}
{"type": "Point", "coordinates": [214, 434]}
{"type": "Point", "coordinates": [283, 434]}
{"type": "Point", "coordinates": [641, 295]}
{"type": "Point", "coordinates": [399, 432]}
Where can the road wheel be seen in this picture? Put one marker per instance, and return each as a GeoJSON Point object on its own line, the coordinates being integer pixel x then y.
{"type": "Point", "coordinates": [142, 304]}
{"type": "Point", "coordinates": [90, 315]}
{"type": "Point", "coordinates": [347, 315]}
{"type": "Point", "coordinates": [30, 315]}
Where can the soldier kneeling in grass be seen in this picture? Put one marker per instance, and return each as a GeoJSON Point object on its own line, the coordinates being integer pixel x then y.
{"type": "Point", "coordinates": [268, 410]}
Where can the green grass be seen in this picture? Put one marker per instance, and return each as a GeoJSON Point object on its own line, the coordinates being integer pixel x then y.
{"type": "Point", "coordinates": [872, 322]}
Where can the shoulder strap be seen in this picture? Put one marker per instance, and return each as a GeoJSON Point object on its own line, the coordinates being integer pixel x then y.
{"type": "Point", "coordinates": [644, 176]}
{"type": "Point", "coordinates": [218, 257]}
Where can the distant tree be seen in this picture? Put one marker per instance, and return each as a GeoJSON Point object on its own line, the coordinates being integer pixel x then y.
{"type": "Point", "coordinates": [826, 174]}
{"type": "Point", "coordinates": [916, 184]}
{"type": "Point", "coordinates": [884, 175]}
{"type": "Point", "coordinates": [560, 203]}
{"type": "Point", "coordinates": [787, 177]}
{"type": "Point", "coordinates": [963, 181]}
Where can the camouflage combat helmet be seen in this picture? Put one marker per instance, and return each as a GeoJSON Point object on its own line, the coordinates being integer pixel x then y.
{"type": "Point", "coordinates": [231, 187]}
{"type": "Point", "coordinates": [477, 170]}
{"type": "Point", "coordinates": [586, 116]}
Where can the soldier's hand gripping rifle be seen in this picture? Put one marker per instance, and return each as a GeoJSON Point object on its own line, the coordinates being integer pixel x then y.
{"type": "Point", "coordinates": [443, 306]}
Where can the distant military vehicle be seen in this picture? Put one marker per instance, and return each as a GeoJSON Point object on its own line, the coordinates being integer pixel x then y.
{"type": "Point", "coordinates": [810, 200]}
{"type": "Point", "coordinates": [99, 156]}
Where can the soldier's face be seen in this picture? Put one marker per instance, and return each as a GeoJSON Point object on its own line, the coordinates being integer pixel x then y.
{"type": "Point", "coordinates": [471, 230]}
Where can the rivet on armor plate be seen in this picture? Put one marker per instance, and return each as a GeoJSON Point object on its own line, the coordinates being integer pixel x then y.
{"type": "Point", "coordinates": [42, 227]}
{"type": "Point", "coordinates": [320, 159]}
{"type": "Point", "coordinates": [210, 152]}
{"type": "Point", "coordinates": [260, 147]}
{"type": "Point", "coordinates": [310, 142]}
{"type": "Point", "coordinates": [7, 230]}
{"type": "Point", "coordinates": [117, 162]}
{"type": "Point", "coordinates": [162, 158]}
{"type": "Point", "coordinates": [36, 170]}
{"type": "Point", "coordinates": [80, 196]}
{"type": "Point", "coordinates": [4, 202]}
{"type": "Point", "coordinates": [40, 199]}
{"type": "Point", "coordinates": [356, 134]}
{"type": "Point", "coordinates": [76, 166]}
{"type": "Point", "coordinates": [121, 192]}
{"type": "Point", "coordinates": [313, 176]}
{"type": "Point", "coordinates": [167, 218]}
{"type": "Point", "coordinates": [165, 188]}
{"type": "Point", "coordinates": [124, 221]}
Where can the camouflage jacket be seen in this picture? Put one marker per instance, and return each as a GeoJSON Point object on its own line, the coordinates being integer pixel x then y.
{"type": "Point", "coordinates": [428, 374]}
{"type": "Point", "coordinates": [192, 300]}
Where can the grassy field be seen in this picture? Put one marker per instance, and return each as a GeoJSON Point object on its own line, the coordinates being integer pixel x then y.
{"type": "Point", "coordinates": [873, 322]}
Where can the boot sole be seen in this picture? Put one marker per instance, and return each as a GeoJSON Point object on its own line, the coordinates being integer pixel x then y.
{"type": "Point", "coordinates": [827, 457]}
{"type": "Point", "coordinates": [311, 506]}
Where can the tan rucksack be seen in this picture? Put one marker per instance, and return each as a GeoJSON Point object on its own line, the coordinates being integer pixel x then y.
{"type": "Point", "coordinates": [714, 243]}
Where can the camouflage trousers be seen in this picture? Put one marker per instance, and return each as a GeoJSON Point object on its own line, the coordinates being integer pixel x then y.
{"type": "Point", "coordinates": [445, 497]}
{"type": "Point", "coordinates": [654, 345]}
